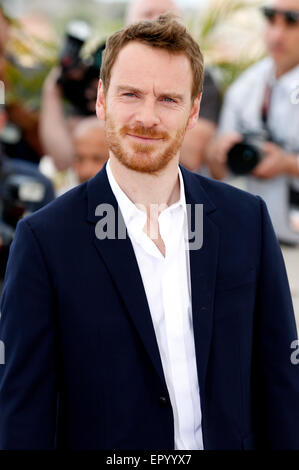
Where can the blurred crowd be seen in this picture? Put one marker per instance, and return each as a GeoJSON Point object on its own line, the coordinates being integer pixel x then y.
{"type": "Point", "coordinates": [248, 137]}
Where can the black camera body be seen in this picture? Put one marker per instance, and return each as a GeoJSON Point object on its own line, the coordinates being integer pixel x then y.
{"type": "Point", "coordinates": [23, 190]}
{"type": "Point", "coordinates": [79, 76]}
{"type": "Point", "coordinates": [244, 156]}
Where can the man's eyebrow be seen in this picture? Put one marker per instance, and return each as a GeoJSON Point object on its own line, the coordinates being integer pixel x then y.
{"type": "Point", "coordinates": [132, 89]}
{"type": "Point", "coordinates": [129, 88]}
{"type": "Point", "coordinates": [176, 96]}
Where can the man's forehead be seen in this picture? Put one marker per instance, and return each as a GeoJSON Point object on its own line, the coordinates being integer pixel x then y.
{"type": "Point", "coordinates": [149, 9]}
{"type": "Point", "coordinates": [284, 4]}
{"type": "Point", "coordinates": [91, 141]}
{"type": "Point", "coordinates": [137, 57]}
{"type": "Point", "coordinates": [139, 60]}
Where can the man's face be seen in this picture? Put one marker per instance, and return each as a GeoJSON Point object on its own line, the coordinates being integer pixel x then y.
{"type": "Point", "coordinates": [147, 107]}
{"type": "Point", "coordinates": [282, 39]}
{"type": "Point", "coordinates": [91, 153]}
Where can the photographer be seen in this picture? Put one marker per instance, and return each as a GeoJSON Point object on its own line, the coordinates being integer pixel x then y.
{"type": "Point", "coordinates": [76, 80]}
{"type": "Point", "coordinates": [23, 190]}
{"type": "Point", "coordinates": [260, 106]}
{"type": "Point", "coordinates": [55, 128]}
{"type": "Point", "coordinates": [20, 137]}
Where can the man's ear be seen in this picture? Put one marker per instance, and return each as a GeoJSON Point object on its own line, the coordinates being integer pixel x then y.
{"type": "Point", "coordinates": [193, 118]}
{"type": "Point", "coordinates": [100, 106]}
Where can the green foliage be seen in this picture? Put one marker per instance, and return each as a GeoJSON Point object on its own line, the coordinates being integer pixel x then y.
{"type": "Point", "coordinates": [210, 28]}
{"type": "Point", "coordinates": [230, 71]}
{"type": "Point", "coordinates": [217, 14]}
{"type": "Point", "coordinates": [29, 61]}
{"type": "Point", "coordinates": [25, 84]}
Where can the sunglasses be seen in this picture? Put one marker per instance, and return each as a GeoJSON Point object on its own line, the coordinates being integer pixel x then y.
{"type": "Point", "coordinates": [290, 17]}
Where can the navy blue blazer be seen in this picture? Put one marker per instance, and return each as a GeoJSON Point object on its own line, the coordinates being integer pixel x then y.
{"type": "Point", "coordinates": [82, 366]}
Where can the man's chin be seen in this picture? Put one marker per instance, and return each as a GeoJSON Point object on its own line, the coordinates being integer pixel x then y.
{"type": "Point", "coordinates": [143, 163]}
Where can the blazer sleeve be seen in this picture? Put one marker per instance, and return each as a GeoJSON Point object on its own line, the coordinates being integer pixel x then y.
{"type": "Point", "coordinates": [277, 378]}
{"type": "Point", "coordinates": [28, 394]}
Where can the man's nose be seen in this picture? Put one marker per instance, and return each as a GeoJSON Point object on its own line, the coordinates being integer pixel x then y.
{"type": "Point", "coordinates": [88, 170]}
{"type": "Point", "coordinates": [147, 114]}
{"type": "Point", "coordinates": [279, 27]}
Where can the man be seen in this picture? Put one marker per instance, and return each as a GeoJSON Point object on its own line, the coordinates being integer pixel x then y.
{"type": "Point", "coordinates": [15, 177]}
{"type": "Point", "coordinates": [262, 102]}
{"type": "Point", "coordinates": [122, 340]}
{"type": "Point", "coordinates": [24, 121]}
{"type": "Point", "coordinates": [197, 139]}
{"type": "Point", "coordinates": [139, 10]}
{"type": "Point", "coordinates": [15, 174]}
{"type": "Point", "coordinates": [91, 152]}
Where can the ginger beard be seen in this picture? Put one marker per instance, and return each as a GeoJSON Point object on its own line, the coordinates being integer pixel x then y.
{"type": "Point", "coordinates": [142, 157]}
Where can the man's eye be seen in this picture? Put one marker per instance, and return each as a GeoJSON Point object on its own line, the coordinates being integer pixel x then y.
{"type": "Point", "coordinates": [168, 100]}
{"type": "Point", "coordinates": [129, 95]}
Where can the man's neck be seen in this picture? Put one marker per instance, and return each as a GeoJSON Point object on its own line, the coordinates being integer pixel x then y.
{"type": "Point", "coordinates": [280, 70]}
{"type": "Point", "coordinates": [161, 189]}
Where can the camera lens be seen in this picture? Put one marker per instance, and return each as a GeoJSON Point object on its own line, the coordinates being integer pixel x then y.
{"type": "Point", "coordinates": [242, 158]}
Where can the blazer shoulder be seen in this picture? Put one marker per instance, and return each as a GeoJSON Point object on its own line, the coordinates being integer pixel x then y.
{"type": "Point", "coordinates": [224, 195]}
{"type": "Point", "coordinates": [234, 208]}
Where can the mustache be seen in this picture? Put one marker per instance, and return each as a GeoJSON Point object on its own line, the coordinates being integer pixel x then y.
{"type": "Point", "coordinates": [276, 43]}
{"type": "Point", "coordinates": [141, 131]}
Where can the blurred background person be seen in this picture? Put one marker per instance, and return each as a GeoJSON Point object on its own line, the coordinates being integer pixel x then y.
{"type": "Point", "coordinates": [76, 80]}
{"type": "Point", "coordinates": [197, 139]}
{"type": "Point", "coordinates": [139, 10]}
{"type": "Point", "coordinates": [23, 188]}
{"type": "Point", "coordinates": [90, 152]}
{"type": "Point", "coordinates": [19, 137]}
{"type": "Point", "coordinates": [260, 109]}
{"type": "Point", "coordinates": [55, 127]}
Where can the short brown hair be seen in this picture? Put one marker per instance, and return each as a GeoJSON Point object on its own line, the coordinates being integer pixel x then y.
{"type": "Point", "coordinates": [165, 32]}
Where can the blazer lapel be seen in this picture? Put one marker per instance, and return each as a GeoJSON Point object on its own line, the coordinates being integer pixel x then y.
{"type": "Point", "coordinates": [203, 267]}
{"type": "Point", "coordinates": [119, 258]}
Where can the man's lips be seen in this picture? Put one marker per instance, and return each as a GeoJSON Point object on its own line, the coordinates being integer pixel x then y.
{"type": "Point", "coordinates": [144, 138]}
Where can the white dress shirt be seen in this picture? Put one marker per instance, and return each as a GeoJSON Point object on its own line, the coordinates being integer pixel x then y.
{"type": "Point", "coordinates": [167, 285]}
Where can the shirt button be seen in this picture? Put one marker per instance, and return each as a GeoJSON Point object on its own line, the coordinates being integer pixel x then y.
{"type": "Point", "coordinates": [163, 401]}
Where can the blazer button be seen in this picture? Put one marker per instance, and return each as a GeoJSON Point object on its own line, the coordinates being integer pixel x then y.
{"type": "Point", "coordinates": [163, 401]}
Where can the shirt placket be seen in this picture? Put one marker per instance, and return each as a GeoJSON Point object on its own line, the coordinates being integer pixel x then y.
{"type": "Point", "coordinates": [174, 311]}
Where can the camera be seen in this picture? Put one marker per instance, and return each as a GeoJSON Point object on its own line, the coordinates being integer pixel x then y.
{"type": "Point", "coordinates": [276, 192]}
{"type": "Point", "coordinates": [23, 190]}
{"type": "Point", "coordinates": [79, 76]}
{"type": "Point", "coordinates": [244, 156]}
